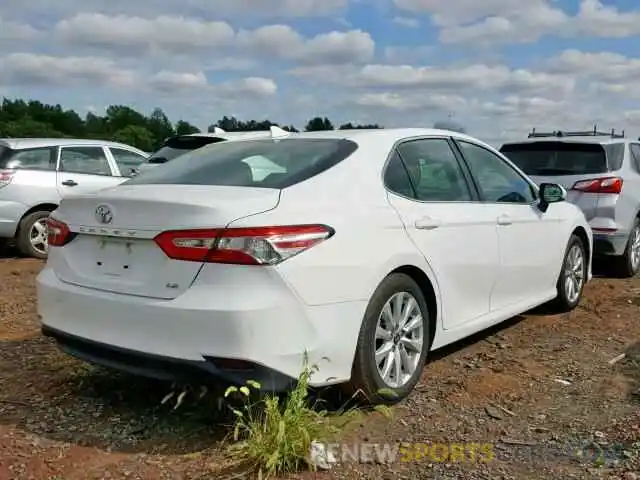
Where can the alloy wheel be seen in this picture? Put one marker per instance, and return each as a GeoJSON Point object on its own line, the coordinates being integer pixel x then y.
{"type": "Point", "coordinates": [399, 339]}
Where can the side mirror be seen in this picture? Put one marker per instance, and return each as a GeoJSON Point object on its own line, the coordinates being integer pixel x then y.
{"type": "Point", "coordinates": [551, 193]}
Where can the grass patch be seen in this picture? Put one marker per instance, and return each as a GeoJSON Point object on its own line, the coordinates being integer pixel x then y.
{"type": "Point", "coordinates": [272, 435]}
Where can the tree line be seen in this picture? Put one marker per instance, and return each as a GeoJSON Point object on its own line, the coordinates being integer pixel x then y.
{"type": "Point", "coordinates": [32, 118]}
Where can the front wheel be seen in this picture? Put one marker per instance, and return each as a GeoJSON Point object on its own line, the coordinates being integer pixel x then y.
{"type": "Point", "coordinates": [32, 235]}
{"type": "Point", "coordinates": [573, 275]}
{"type": "Point", "coordinates": [393, 342]}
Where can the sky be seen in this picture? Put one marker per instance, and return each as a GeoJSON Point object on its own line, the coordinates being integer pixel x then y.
{"type": "Point", "coordinates": [498, 67]}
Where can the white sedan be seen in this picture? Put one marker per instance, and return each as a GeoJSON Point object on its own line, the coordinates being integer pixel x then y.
{"type": "Point", "coordinates": [364, 250]}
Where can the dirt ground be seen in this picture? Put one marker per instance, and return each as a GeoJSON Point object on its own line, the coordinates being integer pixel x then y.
{"type": "Point", "coordinates": [540, 389]}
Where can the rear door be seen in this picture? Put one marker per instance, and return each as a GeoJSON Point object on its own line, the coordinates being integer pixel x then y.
{"type": "Point", "coordinates": [84, 169]}
{"type": "Point", "coordinates": [565, 163]}
{"type": "Point", "coordinates": [453, 230]}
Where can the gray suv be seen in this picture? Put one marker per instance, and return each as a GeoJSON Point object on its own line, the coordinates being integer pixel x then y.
{"type": "Point", "coordinates": [601, 172]}
{"type": "Point", "coordinates": [36, 173]}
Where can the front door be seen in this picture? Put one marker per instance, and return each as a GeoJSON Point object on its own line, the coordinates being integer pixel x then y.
{"type": "Point", "coordinates": [457, 235]}
{"type": "Point", "coordinates": [529, 238]}
{"type": "Point", "coordinates": [84, 169]}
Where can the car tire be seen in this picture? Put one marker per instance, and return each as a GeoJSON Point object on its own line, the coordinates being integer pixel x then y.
{"type": "Point", "coordinates": [573, 276]}
{"type": "Point", "coordinates": [366, 378]}
{"type": "Point", "coordinates": [26, 231]}
{"type": "Point", "coordinates": [628, 264]}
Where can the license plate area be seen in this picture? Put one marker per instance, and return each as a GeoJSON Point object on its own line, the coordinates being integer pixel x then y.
{"type": "Point", "coordinates": [115, 256]}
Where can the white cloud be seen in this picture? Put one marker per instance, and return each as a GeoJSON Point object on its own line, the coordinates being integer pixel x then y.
{"type": "Point", "coordinates": [470, 79]}
{"type": "Point", "coordinates": [608, 72]}
{"type": "Point", "coordinates": [221, 8]}
{"type": "Point", "coordinates": [26, 69]}
{"type": "Point", "coordinates": [403, 102]}
{"type": "Point", "coordinates": [511, 22]}
{"type": "Point", "coordinates": [462, 11]}
{"type": "Point", "coordinates": [125, 33]}
{"type": "Point", "coordinates": [33, 69]}
{"type": "Point", "coordinates": [134, 36]}
{"type": "Point", "coordinates": [11, 31]}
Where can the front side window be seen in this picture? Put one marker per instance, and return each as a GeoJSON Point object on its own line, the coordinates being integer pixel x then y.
{"type": "Point", "coordinates": [88, 160]}
{"type": "Point", "coordinates": [260, 163]}
{"type": "Point", "coordinates": [29, 159]}
{"type": "Point", "coordinates": [496, 179]}
{"type": "Point", "coordinates": [434, 170]}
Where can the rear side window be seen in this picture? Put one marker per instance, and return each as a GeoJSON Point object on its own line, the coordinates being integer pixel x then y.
{"type": "Point", "coordinates": [557, 158]}
{"type": "Point", "coordinates": [28, 159]}
{"type": "Point", "coordinates": [176, 146]}
{"type": "Point", "coordinates": [252, 163]}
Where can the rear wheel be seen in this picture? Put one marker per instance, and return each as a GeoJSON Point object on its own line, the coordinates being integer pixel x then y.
{"type": "Point", "coordinates": [628, 264]}
{"type": "Point", "coordinates": [393, 342]}
{"type": "Point", "coordinates": [31, 239]}
{"type": "Point", "coordinates": [572, 276]}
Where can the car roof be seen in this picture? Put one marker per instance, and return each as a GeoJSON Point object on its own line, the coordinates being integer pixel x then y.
{"type": "Point", "coordinates": [383, 135]}
{"type": "Point", "coordinates": [22, 143]}
{"type": "Point", "coordinates": [576, 139]}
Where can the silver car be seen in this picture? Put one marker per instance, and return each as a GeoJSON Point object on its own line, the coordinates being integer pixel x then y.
{"type": "Point", "coordinates": [36, 173]}
{"type": "Point", "coordinates": [601, 171]}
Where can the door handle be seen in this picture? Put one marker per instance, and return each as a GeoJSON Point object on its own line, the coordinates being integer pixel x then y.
{"type": "Point", "coordinates": [504, 220]}
{"type": "Point", "coordinates": [427, 223]}
{"type": "Point", "coordinates": [69, 183]}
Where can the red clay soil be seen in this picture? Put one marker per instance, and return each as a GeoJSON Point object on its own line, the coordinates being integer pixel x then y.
{"type": "Point", "coordinates": [538, 390]}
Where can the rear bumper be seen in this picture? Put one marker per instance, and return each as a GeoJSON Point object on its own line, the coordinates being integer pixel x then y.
{"type": "Point", "coordinates": [10, 215]}
{"type": "Point", "coordinates": [202, 329]}
{"type": "Point", "coordinates": [608, 244]}
{"type": "Point", "coordinates": [166, 368]}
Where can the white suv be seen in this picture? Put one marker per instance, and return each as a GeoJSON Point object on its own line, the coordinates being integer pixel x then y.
{"type": "Point", "coordinates": [36, 173]}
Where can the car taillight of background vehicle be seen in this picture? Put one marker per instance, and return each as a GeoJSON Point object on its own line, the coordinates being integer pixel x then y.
{"type": "Point", "coordinates": [5, 177]}
{"type": "Point", "coordinates": [58, 233]}
{"type": "Point", "coordinates": [243, 246]}
{"type": "Point", "coordinates": [599, 185]}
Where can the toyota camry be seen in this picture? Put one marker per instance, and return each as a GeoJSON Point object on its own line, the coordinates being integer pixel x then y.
{"type": "Point", "coordinates": [361, 251]}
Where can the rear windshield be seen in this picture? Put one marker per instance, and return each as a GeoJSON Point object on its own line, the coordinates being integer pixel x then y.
{"type": "Point", "coordinates": [176, 146]}
{"type": "Point", "coordinates": [252, 163]}
{"type": "Point", "coordinates": [562, 158]}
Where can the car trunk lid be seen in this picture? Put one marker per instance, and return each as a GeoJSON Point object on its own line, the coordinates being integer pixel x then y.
{"type": "Point", "coordinates": [121, 256]}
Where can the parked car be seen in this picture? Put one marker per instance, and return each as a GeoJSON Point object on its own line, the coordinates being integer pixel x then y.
{"type": "Point", "coordinates": [601, 171]}
{"type": "Point", "coordinates": [371, 249]}
{"type": "Point", "coordinates": [175, 146]}
{"type": "Point", "coordinates": [35, 173]}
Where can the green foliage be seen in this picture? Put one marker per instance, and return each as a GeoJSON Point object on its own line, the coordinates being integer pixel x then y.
{"type": "Point", "coordinates": [273, 435]}
{"type": "Point", "coordinates": [31, 118]}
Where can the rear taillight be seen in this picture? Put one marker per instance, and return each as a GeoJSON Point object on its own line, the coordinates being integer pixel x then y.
{"type": "Point", "coordinates": [245, 246]}
{"type": "Point", "coordinates": [5, 177]}
{"type": "Point", "coordinates": [58, 233]}
{"type": "Point", "coordinates": [599, 185]}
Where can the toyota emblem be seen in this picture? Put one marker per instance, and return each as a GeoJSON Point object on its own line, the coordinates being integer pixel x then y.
{"type": "Point", "coordinates": [104, 214]}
